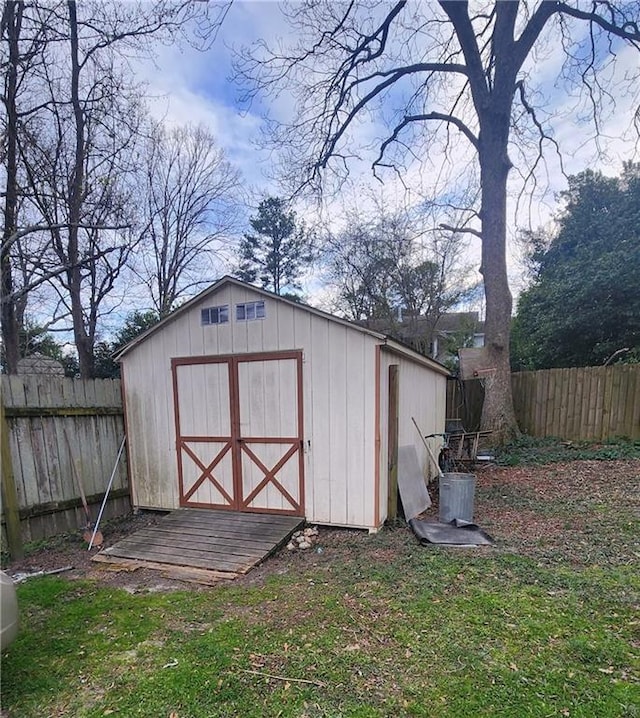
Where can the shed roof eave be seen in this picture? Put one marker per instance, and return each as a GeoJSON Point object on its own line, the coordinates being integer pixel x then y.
{"type": "Point", "coordinates": [397, 348]}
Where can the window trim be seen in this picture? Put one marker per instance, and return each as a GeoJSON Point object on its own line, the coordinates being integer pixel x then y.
{"type": "Point", "coordinates": [251, 311]}
{"type": "Point", "coordinates": [220, 312]}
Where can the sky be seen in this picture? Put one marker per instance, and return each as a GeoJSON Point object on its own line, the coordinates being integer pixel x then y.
{"type": "Point", "coordinates": [185, 86]}
{"type": "Point", "coordinates": [193, 87]}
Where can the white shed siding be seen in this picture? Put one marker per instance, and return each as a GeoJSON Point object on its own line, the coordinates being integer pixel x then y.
{"type": "Point", "coordinates": [422, 395]}
{"type": "Point", "coordinates": [318, 422]}
{"type": "Point", "coordinates": [339, 374]}
{"type": "Point", "coordinates": [338, 401]}
{"type": "Point", "coordinates": [151, 447]}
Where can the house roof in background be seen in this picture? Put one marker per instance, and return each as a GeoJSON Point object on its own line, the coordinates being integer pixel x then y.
{"type": "Point", "coordinates": [457, 321]}
{"type": "Point", "coordinates": [417, 327]}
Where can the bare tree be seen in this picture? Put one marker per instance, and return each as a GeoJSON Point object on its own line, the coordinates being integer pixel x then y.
{"type": "Point", "coordinates": [393, 274]}
{"type": "Point", "coordinates": [72, 159]}
{"type": "Point", "coordinates": [190, 196]}
{"type": "Point", "coordinates": [23, 56]}
{"type": "Point", "coordinates": [77, 169]}
{"type": "Point", "coordinates": [427, 75]}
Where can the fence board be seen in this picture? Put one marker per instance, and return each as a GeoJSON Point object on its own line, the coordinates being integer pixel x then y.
{"type": "Point", "coordinates": [529, 401]}
{"type": "Point", "coordinates": [635, 416]}
{"type": "Point", "coordinates": [584, 403]}
{"type": "Point", "coordinates": [577, 392]}
{"type": "Point", "coordinates": [614, 403]}
{"type": "Point", "coordinates": [542, 390]}
{"type": "Point", "coordinates": [568, 394]}
{"type": "Point", "coordinates": [550, 406]}
{"type": "Point", "coordinates": [50, 420]}
{"type": "Point", "coordinates": [583, 427]}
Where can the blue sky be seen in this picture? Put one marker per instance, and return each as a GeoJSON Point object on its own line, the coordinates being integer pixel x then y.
{"type": "Point", "coordinates": [195, 87]}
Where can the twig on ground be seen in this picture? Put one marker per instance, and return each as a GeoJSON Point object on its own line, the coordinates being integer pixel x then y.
{"type": "Point", "coordinates": [283, 678]}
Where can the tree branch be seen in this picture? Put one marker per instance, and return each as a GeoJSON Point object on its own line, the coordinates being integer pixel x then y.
{"type": "Point", "coordinates": [534, 118]}
{"type": "Point", "coordinates": [458, 14]}
{"type": "Point", "coordinates": [628, 30]}
{"type": "Point", "coordinates": [23, 291]}
{"type": "Point", "coordinates": [532, 30]}
{"type": "Point", "coordinates": [450, 119]}
{"type": "Point", "coordinates": [461, 230]}
{"type": "Point", "coordinates": [394, 76]}
{"type": "Point", "coordinates": [17, 236]}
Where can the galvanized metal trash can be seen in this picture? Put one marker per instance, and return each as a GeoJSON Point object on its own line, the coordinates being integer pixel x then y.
{"type": "Point", "coordinates": [457, 493]}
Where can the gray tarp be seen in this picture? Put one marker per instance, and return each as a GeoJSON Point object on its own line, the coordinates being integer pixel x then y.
{"type": "Point", "coordinates": [456, 533]}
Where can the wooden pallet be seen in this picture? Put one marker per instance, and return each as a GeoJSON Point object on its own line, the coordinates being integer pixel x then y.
{"type": "Point", "coordinates": [210, 540]}
{"type": "Point", "coordinates": [179, 573]}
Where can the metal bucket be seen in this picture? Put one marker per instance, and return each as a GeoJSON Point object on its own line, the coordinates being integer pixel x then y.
{"type": "Point", "coordinates": [457, 493]}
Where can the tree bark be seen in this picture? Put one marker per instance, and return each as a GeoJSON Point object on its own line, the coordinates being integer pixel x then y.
{"type": "Point", "coordinates": [497, 413]}
{"type": "Point", "coordinates": [84, 345]}
{"type": "Point", "coordinates": [10, 329]}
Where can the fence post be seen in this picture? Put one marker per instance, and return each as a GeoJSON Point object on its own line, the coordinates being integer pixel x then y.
{"type": "Point", "coordinates": [392, 444]}
{"type": "Point", "coordinates": [9, 493]}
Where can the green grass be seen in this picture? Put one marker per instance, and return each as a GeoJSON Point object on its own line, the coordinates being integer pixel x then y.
{"type": "Point", "coordinates": [528, 450]}
{"type": "Point", "coordinates": [545, 624]}
{"type": "Point", "coordinates": [430, 633]}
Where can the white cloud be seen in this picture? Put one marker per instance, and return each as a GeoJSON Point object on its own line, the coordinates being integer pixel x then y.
{"type": "Point", "coordinates": [192, 87]}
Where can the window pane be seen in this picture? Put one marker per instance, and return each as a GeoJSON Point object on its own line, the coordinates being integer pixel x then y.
{"type": "Point", "coordinates": [204, 317]}
{"type": "Point", "coordinates": [223, 314]}
{"type": "Point", "coordinates": [240, 313]}
{"type": "Point", "coordinates": [260, 313]}
{"type": "Point", "coordinates": [251, 310]}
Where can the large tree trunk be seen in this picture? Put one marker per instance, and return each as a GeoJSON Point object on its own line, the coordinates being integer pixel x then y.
{"type": "Point", "coordinates": [10, 329]}
{"type": "Point", "coordinates": [498, 414]}
{"type": "Point", "coordinates": [83, 342]}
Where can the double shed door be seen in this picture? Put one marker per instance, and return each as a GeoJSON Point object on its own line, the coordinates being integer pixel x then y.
{"type": "Point", "coordinates": [239, 432]}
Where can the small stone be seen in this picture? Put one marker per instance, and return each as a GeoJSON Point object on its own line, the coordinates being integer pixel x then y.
{"type": "Point", "coordinates": [304, 544]}
{"type": "Point", "coordinates": [308, 532]}
{"type": "Point", "coordinates": [296, 534]}
{"type": "Point", "coordinates": [290, 546]}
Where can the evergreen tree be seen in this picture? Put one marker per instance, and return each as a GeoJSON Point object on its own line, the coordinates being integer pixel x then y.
{"type": "Point", "coordinates": [584, 303]}
{"type": "Point", "coordinates": [278, 250]}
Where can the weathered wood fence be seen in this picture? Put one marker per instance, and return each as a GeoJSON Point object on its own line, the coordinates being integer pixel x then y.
{"type": "Point", "coordinates": [590, 403]}
{"type": "Point", "coordinates": [56, 431]}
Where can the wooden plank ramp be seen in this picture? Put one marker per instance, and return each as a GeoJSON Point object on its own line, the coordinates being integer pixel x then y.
{"type": "Point", "coordinates": [210, 540]}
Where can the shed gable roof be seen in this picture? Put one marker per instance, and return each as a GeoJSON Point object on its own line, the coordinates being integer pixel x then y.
{"type": "Point", "coordinates": [227, 280]}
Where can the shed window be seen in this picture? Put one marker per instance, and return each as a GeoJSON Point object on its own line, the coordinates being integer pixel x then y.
{"type": "Point", "coordinates": [250, 310]}
{"type": "Point", "coordinates": [215, 315]}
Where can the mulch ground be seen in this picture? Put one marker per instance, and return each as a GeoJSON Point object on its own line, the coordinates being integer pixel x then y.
{"type": "Point", "coordinates": [581, 513]}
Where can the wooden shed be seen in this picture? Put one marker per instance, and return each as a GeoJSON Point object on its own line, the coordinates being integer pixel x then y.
{"type": "Point", "coordinates": [245, 401]}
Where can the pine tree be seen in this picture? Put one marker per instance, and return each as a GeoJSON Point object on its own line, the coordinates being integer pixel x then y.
{"type": "Point", "coordinates": [278, 250]}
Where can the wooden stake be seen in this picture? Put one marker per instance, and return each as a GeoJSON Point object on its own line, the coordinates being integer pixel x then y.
{"type": "Point", "coordinates": [10, 505]}
{"type": "Point", "coordinates": [392, 443]}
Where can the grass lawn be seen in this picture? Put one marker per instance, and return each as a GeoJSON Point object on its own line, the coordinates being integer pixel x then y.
{"type": "Point", "coordinates": [545, 624]}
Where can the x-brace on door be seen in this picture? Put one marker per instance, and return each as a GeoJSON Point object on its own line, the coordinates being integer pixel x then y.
{"type": "Point", "coordinates": [239, 432]}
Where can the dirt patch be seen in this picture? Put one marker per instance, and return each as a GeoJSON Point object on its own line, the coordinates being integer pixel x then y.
{"type": "Point", "coordinates": [582, 511]}
{"type": "Point", "coordinates": [70, 550]}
